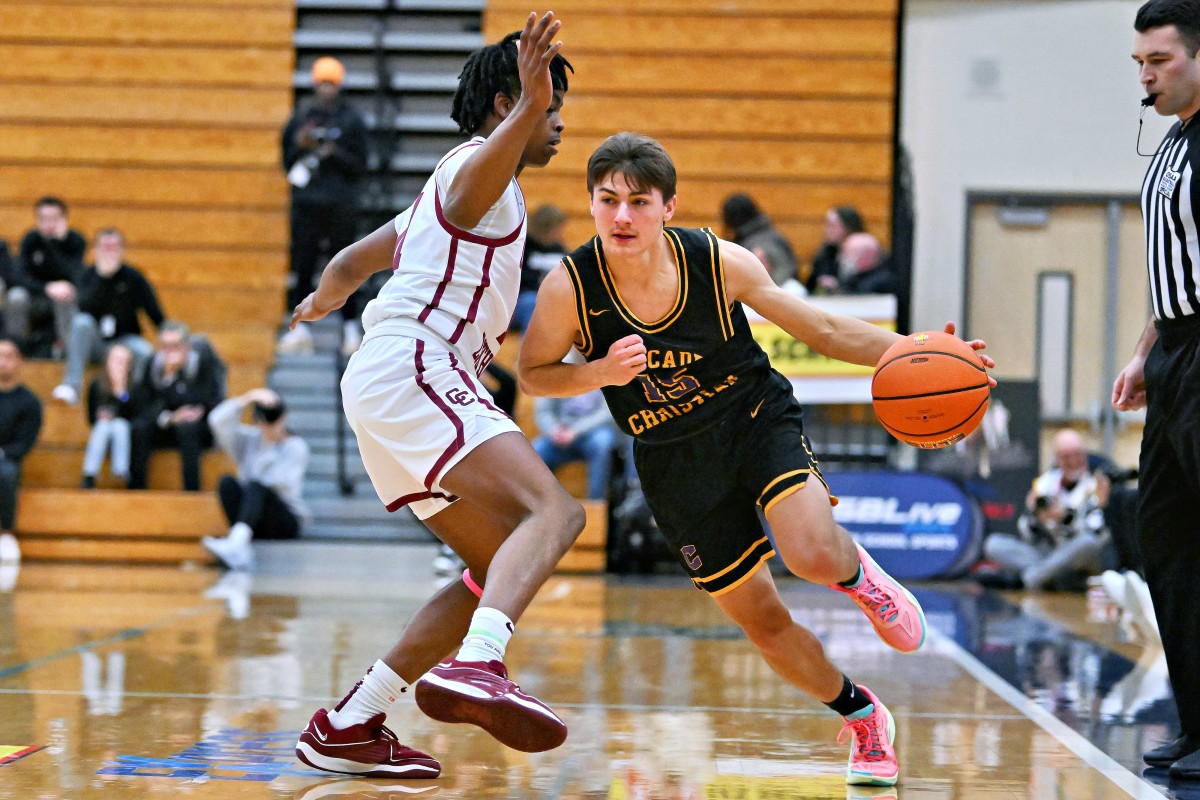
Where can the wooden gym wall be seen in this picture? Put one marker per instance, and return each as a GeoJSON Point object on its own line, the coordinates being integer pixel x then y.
{"type": "Point", "coordinates": [162, 118]}
{"type": "Point", "coordinates": [789, 101]}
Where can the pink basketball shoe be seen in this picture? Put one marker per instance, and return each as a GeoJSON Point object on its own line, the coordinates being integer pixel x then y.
{"type": "Point", "coordinates": [895, 613]}
{"type": "Point", "coordinates": [480, 693]}
{"type": "Point", "coordinates": [872, 756]}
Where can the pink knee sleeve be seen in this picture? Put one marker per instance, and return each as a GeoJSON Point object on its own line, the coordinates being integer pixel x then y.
{"type": "Point", "coordinates": [475, 588]}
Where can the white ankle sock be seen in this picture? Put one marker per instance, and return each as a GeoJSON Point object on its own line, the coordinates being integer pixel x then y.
{"type": "Point", "coordinates": [241, 533]}
{"type": "Point", "coordinates": [380, 689]}
{"type": "Point", "coordinates": [487, 636]}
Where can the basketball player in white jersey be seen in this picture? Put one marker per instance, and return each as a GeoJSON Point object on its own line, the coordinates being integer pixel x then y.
{"type": "Point", "coordinates": [429, 434]}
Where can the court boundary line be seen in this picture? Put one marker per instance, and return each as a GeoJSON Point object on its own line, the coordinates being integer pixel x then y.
{"type": "Point", "coordinates": [638, 707]}
{"type": "Point", "coordinates": [1132, 784]}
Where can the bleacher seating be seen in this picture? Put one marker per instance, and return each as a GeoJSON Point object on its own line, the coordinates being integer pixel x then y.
{"type": "Point", "coordinates": [162, 120]}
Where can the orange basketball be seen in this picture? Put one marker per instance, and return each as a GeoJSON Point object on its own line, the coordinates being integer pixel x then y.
{"type": "Point", "coordinates": [930, 390]}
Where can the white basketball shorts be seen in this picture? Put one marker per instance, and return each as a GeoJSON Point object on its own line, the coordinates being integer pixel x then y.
{"type": "Point", "coordinates": [417, 410]}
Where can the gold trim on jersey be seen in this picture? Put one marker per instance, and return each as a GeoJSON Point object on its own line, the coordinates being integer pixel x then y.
{"type": "Point", "coordinates": [748, 552]}
{"type": "Point", "coordinates": [585, 345]}
{"type": "Point", "coordinates": [782, 477]}
{"type": "Point", "coordinates": [786, 493]}
{"type": "Point", "coordinates": [753, 570]}
{"type": "Point", "coordinates": [718, 268]}
{"type": "Point", "coordinates": [624, 310]}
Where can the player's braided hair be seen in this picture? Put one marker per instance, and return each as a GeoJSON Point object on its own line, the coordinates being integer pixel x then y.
{"type": "Point", "coordinates": [491, 70]}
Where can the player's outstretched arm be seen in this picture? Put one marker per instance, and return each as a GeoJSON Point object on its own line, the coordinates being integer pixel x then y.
{"type": "Point", "coordinates": [551, 334]}
{"type": "Point", "coordinates": [844, 338]}
{"type": "Point", "coordinates": [346, 271]}
{"type": "Point", "coordinates": [482, 179]}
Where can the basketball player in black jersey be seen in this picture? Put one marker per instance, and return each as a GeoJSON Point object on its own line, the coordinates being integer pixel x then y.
{"type": "Point", "coordinates": [657, 313]}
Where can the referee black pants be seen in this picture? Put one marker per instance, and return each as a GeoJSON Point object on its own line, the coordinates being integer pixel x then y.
{"type": "Point", "coordinates": [1169, 505]}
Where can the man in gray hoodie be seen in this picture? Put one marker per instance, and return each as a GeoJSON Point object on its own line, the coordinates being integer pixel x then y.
{"type": "Point", "coordinates": [264, 499]}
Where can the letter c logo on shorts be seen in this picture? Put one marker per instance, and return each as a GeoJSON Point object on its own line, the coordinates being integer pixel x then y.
{"type": "Point", "coordinates": [690, 558]}
{"type": "Point", "coordinates": [460, 397]}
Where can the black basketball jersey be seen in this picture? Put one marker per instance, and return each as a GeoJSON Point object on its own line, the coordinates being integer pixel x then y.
{"type": "Point", "coordinates": [701, 360]}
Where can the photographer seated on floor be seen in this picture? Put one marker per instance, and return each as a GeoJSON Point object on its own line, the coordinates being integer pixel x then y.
{"type": "Point", "coordinates": [1063, 536]}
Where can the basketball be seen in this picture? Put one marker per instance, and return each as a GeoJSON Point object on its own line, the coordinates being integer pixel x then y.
{"type": "Point", "coordinates": [930, 390]}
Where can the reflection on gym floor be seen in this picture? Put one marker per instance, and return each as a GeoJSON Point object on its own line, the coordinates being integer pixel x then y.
{"type": "Point", "coordinates": [144, 682]}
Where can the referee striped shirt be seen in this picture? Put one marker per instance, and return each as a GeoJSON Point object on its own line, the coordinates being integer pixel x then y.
{"type": "Point", "coordinates": [1171, 213]}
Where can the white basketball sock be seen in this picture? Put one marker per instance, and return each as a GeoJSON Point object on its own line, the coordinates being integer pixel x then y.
{"type": "Point", "coordinates": [377, 693]}
{"type": "Point", "coordinates": [487, 636]}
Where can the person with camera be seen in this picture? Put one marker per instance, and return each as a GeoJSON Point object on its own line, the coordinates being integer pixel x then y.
{"type": "Point", "coordinates": [1063, 534]}
{"type": "Point", "coordinates": [264, 499]}
{"type": "Point", "coordinates": [325, 151]}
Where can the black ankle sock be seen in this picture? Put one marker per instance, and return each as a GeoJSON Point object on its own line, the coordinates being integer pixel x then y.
{"type": "Point", "coordinates": [850, 700]}
{"type": "Point", "coordinates": [850, 584]}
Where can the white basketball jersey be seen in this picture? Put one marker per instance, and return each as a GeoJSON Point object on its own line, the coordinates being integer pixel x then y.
{"type": "Point", "coordinates": [461, 284]}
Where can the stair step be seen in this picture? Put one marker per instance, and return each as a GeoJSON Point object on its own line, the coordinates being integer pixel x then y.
{"type": "Point", "coordinates": [423, 82]}
{"type": "Point", "coordinates": [432, 41]}
{"type": "Point", "coordinates": [355, 81]}
{"type": "Point", "coordinates": [461, 6]}
{"type": "Point", "coordinates": [333, 40]}
{"type": "Point", "coordinates": [425, 123]}
{"type": "Point", "coordinates": [343, 5]}
{"type": "Point", "coordinates": [386, 532]}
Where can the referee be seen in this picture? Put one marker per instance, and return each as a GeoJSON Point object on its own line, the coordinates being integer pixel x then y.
{"type": "Point", "coordinates": [1164, 374]}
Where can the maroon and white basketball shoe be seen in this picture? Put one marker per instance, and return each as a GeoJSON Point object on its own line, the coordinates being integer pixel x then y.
{"type": "Point", "coordinates": [369, 749]}
{"type": "Point", "coordinates": [480, 693]}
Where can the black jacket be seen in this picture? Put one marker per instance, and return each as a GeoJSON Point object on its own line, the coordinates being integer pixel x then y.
{"type": "Point", "coordinates": [880, 279]}
{"type": "Point", "coordinates": [101, 397]}
{"type": "Point", "coordinates": [200, 382]}
{"type": "Point", "coordinates": [119, 296]}
{"type": "Point", "coordinates": [20, 422]}
{"type": "Point", "coordinates": [335, 179]}
{"type": "Point", "coordinates": [43, 260]}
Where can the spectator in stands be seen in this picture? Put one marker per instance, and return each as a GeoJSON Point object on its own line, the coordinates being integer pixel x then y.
{"type": "Point", "coordinates": [20, 423]}
{"type": "Point", "coordinates": [325, 151]}
{"type": "Point", "coordinates": [263, 501]}
{"type": "Point", "coordinates": [577, 428]}
{"type": "Point", "coordinates": [840, 222]}
{"type": "Point", "coordinates": [1062, 535]}
{"type": "Point", "coordinates": [182, 383]}
{"type": "Point", "coordinates": [6, 276]}
{"type": "Point", "coordinates": [747, 225]}
{"type": "Point", "coordinates": [110, 412]}
{"type": "Point", "coordinates": [544, 248]}
{"type": "Point", "coordinates": [41, 299]}
{"type": "Point", "coordinates": [864, 267]}
{"type": "Point", "coordinates": [111, 293]}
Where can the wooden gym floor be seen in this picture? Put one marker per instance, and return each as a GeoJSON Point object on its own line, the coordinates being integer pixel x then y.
{"type": "Point", "coordinates": [144, 682]}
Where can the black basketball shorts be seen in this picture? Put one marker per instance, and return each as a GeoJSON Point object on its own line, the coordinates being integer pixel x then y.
{"type": "Point", "coordinates": [707, 490]}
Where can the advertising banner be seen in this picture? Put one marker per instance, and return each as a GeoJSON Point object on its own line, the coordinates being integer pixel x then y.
{"type": "Point", "coordinates": [915, 525]}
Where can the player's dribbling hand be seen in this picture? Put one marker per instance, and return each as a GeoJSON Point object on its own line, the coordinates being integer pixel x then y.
{"type": "Point", "coordinates": [976, 345]}
{"type": "Point", "coordinates": [535, 50]}
{"type": "Point", "coordinates": [626, 358]}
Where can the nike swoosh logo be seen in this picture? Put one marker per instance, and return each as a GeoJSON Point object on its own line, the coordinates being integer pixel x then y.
{"type": "Point", "coordinates": [598, 313]}
{"type": "Point", "coordinates": [322, 736]}
{"type": "Point", "coordinates": [754, 413]}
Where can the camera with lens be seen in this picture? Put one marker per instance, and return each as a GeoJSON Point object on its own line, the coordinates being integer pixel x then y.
{"type": "Point", "coordinates": [322, 135]}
